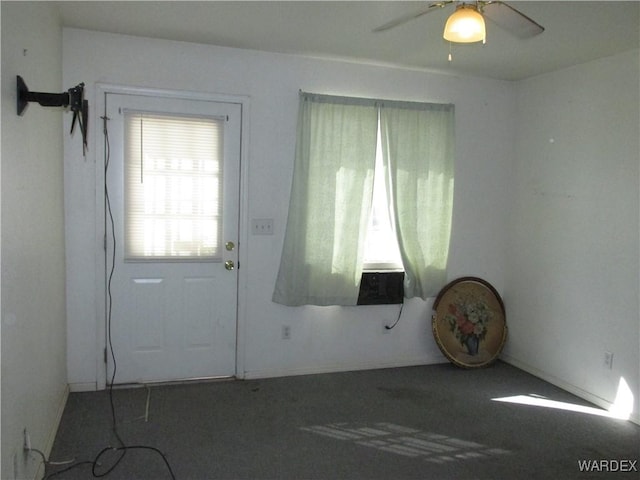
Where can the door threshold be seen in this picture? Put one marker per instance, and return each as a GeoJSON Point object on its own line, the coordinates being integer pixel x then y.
{"type": "Point", "coordinates": [182, 381]}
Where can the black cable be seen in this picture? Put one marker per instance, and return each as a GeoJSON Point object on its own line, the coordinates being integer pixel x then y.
{"type": "Point", "coordinates": [112, 269]}
{"type": "Point", "coordinates": [123, 448]}
{"type": "Point", "coordinates": [96, 463]}
{"type": "Point", "coordinates": [107, 159]}
{"type": "Point", "coordinates": [397, 320]}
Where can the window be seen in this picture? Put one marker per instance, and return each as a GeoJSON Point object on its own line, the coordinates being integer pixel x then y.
{"type": "Point", "coordinates": [332, 197]}
{"type": "Point", "coordinates": [381, 247]}
{"type": "Point", "coordinates": [173, 187]}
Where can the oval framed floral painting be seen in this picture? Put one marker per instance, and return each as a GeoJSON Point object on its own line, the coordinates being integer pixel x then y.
{"type": "Point", "coordinates": [469, 323]}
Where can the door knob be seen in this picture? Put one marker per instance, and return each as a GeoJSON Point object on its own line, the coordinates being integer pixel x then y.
{"type": "Point", "coordinates": [229, 265]}
{"type": "Point", "coordinates": [229, 246]}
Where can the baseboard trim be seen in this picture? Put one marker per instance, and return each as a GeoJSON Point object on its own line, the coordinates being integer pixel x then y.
{"type": "Point", "coordinates": [62, 403]}
{"type": "Point", "coordinates": [288, 372]}
{"type": "Point", "coordinates": [83, 387]}
{"type": "Point", "coordinates": [577, 391]}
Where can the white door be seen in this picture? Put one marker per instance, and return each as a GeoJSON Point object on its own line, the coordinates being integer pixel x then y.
{"type": "Point", "coordinates": [173, 179]}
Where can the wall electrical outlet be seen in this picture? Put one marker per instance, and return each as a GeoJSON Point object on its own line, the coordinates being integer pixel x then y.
{"type": "Point", "coordinates": [608, 360]}
{"type": "Point", "coordinates": [286, 332]}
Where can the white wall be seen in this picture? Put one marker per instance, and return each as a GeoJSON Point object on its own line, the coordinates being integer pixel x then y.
{"type": "Point", "coordinates": [572, 284]}
{"type": "Point", "coordinates": [34, 376]}
{"type": "Point", "coordinates": [322, 338]}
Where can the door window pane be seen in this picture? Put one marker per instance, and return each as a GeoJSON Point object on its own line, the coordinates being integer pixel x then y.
{"type": "Point", "coordinates": [173, 187]}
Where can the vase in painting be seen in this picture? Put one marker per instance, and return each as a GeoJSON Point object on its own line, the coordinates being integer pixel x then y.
{"type": "Point", "coordinates": [472, 343]}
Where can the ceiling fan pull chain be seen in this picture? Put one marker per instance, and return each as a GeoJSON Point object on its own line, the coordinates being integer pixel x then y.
{"type": "Point", "coordinates": [450, 51]}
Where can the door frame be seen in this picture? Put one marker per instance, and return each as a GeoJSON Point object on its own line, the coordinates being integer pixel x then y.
{"type": "Point", "coordinates": [102, 90]}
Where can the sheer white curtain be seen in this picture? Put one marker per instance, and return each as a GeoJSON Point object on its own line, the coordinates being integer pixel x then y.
{"type": "Point", "coordinates": [418, 153]}
{"type": "Point", "coordinates": [330, 201]}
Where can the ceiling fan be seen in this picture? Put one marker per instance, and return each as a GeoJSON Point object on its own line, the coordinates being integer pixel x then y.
{"type": "Point", "coordinates": [498, 12]}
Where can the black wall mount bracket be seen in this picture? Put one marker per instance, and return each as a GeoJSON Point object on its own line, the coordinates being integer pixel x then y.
{"type": "Point", "coordinates": [72, 98]}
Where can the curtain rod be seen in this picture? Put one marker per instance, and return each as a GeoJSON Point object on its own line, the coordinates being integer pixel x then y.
{"type": "Point", "coordinates": [373, 102]}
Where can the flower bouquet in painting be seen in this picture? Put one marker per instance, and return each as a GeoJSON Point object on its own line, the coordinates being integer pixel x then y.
{"type": "Point", "coordinates": [468, 319]}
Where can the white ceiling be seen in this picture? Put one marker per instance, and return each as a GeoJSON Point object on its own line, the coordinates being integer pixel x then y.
{"type": "Point", "coordinates": [575, 32]}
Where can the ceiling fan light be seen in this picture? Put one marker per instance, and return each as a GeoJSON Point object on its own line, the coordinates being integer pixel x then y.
{"type": "Point", "coordinates": [465, 25]}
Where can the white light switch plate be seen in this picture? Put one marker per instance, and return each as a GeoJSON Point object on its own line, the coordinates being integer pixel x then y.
{"type": "Point", "coordinates": [262, 226]}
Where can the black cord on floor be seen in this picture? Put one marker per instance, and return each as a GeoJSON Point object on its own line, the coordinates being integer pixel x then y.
{"type": "Point", "coordinates": [124, 449]}
{"type": "Point", "coordinates": [97, 463]}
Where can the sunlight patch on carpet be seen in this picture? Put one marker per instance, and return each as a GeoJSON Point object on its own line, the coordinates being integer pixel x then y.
{"type": "Point", "coordinates": [620, 409]}
{"type": "Point", "coordinates": [406, 441]}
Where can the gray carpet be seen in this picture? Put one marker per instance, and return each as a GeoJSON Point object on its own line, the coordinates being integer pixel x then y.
{"type": "Point", "coordinates": [426, 422]}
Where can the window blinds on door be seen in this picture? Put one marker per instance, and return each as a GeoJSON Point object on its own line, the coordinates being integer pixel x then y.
{"type": "Point", "coordinates": [173, 187]}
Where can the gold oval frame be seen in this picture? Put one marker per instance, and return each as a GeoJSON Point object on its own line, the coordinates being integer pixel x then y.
{"type": "Point", "coordinates": [469, 322]}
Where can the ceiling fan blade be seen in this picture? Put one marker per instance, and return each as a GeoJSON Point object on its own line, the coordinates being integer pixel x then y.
{"type": "Point", "coordinates": [512, 20]}
{"type": "Point", "coordinates": [410, 16]}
